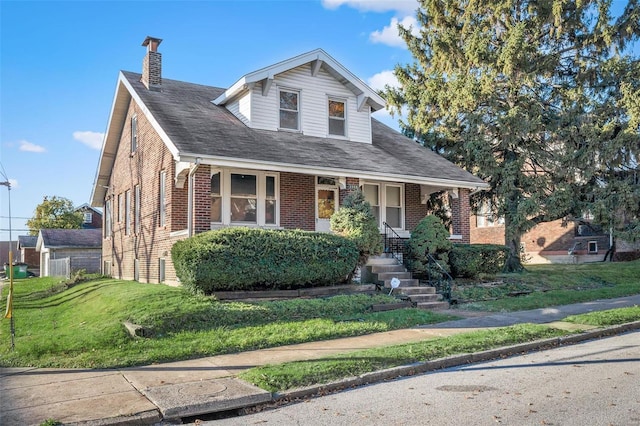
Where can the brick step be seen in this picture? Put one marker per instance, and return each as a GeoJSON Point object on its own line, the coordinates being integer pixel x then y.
{"type": "Point", "coordinates": [433, 305]}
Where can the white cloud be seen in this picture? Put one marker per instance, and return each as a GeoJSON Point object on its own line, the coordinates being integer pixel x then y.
{"type": "Point", "coordinates": [381, 79]}
{"type": "Point", "coordinates": [390, 36]}
{"type": "Point", "coordinates": [31, 147]}
{"type": "Point", "coordinates": [14, 183]}
{"type": "Point", "coordinates": [91, 139]}
{"type": "Point", "coordinates": [403, 6]}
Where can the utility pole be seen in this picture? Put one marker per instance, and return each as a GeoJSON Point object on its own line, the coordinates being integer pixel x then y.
{"type": "Point", "coordinates": [9, 312]}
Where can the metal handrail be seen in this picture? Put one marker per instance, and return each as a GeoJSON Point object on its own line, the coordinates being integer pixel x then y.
{"type": "Point", "coordinates": [394, 249]}
{"type": "Point", "coordinates": [443, 288]}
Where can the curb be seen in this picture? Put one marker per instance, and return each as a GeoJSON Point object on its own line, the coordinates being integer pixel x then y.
{"type": "Point", "coordinates": [448, 362]}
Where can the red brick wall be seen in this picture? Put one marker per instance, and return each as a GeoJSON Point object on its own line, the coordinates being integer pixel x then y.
{"type": "Point", "coordinates": [414, 210]}
{"type": "Point", "coordinates": [298, 200]}
{"type": "Point", "coordinates": [460, 213]}
{"type": "Point", "coordinates": [143, 167]}
{"type": "Point", "coordinates": [202, 199]}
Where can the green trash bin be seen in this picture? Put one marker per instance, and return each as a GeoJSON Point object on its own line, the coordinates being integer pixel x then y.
{"type": "Point", "coordinates": [19, 270]}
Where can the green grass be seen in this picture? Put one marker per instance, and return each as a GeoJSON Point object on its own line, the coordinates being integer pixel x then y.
{"type": "Point", "coordinates": [280, 377]}
{"type": "Point", "coordinates": [552, 285]}
{"type": "Point", "coordinates": [291, 375]}
{"type": "Point", "coordinates": [607, 318]}
{"type": "Point", "coordinates": [81, 325]}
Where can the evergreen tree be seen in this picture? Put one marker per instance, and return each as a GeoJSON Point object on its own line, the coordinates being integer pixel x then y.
{"type": "Point", "coordinates": [535, 97]}
{"type": "Point", "coordinates": [55, 213]}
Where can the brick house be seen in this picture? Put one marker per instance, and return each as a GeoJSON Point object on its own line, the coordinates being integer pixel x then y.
{"type": "Point", "coordinates": [279, 149]}
{"type": "Point", "coordinates": [92, 217]}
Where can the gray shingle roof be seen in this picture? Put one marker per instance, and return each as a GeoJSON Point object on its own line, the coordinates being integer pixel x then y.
{"type": "Point", "coordinates": [71, 238]}
{"type": "Point", "coordinates": [27, 241]}
{"type": "Point", "coordinates": [198, 127]}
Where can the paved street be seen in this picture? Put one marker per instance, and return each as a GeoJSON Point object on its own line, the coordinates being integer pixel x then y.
{"type": "Point", "coordinates": [592, 383]}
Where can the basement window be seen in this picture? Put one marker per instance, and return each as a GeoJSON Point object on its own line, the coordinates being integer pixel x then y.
{"type": "Point", "coordinates": [593, 247]}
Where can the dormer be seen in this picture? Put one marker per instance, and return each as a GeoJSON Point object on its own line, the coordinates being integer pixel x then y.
{"type": "Point", "coordinates": [311, 94]}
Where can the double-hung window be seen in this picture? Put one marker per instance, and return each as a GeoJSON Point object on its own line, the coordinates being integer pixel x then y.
{"type": "Point", "coordinates": [387, 203]}
{"type": "Point", "coordinates": [337, 118]}
{"type": "Point", "coordinates": [127, 212]}
{"type": "Point", "coordinates": [289, 103]}
{"type": "Point", "coordinates": [136, 209]}
{"type": "Point", "coordinates": [244, 197]}
{"type": "Point", "coordinates": [134, 134]}
{"type": "Point", "coordinates": [107, 219]}
{"type": "Point", "coordinates": [162, 207]}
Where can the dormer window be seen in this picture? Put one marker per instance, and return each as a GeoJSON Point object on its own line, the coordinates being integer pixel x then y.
{"type": "Point", "coordinates": [337, 119]}
{"type": "Point", "coordinates": [289, 109]}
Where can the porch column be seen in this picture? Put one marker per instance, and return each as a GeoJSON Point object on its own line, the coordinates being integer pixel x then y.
{"type": "Point", "coordinates": [460, 215]}
{"type": "Point", "coordinates": [202, 199]}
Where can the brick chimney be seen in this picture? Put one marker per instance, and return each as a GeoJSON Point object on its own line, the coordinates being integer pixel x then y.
{"type": "Point", "coordinates": [152, 64]}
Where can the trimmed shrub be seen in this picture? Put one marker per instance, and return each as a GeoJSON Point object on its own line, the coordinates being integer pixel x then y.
{"type": "Point", "coordinates": [234, 259]}
{"type": "Point", "coordinates": [429, 237]}
{"type": "Point", "coordinates": [471, 260]}
{"type": "Point", "coordinates": [355, 221]}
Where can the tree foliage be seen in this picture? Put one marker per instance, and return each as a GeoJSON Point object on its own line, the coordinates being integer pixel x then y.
{"type": "Point", "coordinates": [55, 213]}
{"type": "Point", "coordinates": [535, 97]}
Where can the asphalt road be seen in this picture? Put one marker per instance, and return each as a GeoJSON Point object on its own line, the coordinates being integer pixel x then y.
{"type": "Point", "coordinates": [592, 383]}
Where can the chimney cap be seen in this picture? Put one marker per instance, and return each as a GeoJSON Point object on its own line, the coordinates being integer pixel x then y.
{"type": "Point", "coordinates": [152, 42]}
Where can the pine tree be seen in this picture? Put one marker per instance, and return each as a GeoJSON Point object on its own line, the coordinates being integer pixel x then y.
{"type": "Point", "coordinates": [528, 96]}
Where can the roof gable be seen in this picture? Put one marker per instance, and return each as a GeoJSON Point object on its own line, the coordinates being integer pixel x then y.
{"type": "Point", "coordinates": [317, 59]}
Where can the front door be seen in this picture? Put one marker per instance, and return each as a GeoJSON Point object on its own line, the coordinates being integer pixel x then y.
{"type": "Point", "coordinates": [326, 205]}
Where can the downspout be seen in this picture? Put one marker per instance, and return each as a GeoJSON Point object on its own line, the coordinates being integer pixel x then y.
{"type": "Point", "coordinates": [191, 197]}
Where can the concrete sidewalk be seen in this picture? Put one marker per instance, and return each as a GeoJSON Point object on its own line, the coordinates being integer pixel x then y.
{"type": "Point", "coordinates": [165, 393]}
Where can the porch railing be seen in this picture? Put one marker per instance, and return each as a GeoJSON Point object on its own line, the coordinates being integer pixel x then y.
{"type": "Point", "coordinates": [398, 247]}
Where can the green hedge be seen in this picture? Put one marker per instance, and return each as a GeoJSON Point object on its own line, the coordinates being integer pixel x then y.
{"type": "Point", "coordinates": [471, 260]}
{"type": "Point", "coordinates": [235, 259]}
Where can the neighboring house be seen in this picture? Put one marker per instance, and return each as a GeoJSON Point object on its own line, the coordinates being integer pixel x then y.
{"type": "Point", "coordinates": [82, 248]}
{"type": "Point", "coordinates": [92, 216]}
{"type": "Point", "coordinates": [5, 247]}
{"type": "Point", "coordinates": [28, 254]}
{"type": "Point", "coordinates": [558, 241]}
{"type": "Point", "coordinates": [278, 149]}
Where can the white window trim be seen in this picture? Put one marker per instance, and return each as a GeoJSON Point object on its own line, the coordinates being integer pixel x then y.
{"type": "Point", "coordinates": [162, 214]}
{"type": "Point", "coordinates": [382, 200]}
{"type": "Point", "coordinates": [137, 205]}
{"type": "Point", "coordinates": [299, 93]}
{"type": "Point", "coordinates": [134, 133]}
{"type": "Point", "coordinates": [335, 188]}
{"type": "Point", "coordinates": [261, 196]}
{"type": "Point", "coordinates": [346, 121]}
{"type": "Point", "coordinates": [87, 217]}
{"type": "Point", "coordinates": [127, 212]}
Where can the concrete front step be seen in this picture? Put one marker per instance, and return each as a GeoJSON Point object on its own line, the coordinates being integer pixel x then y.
{"type": "Point", "coordinates": [418, 290]}
{"type": "Point", "coordinates": [433, 305]}
{"type": "Point", "coordinates": [384, 276]}
{"type": "Point", "coordinates": [404, 282]}
{"type": "Point", "coordinates": [382, 260]}
{"type": "Point", "coordinates": [379, 269]}
{"type": "Point", "coordinates": [420, 298]}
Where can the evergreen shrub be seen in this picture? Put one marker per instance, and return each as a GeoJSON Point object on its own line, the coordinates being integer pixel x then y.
{"type": "Point", "coordinates": [471, 260]}
{"type": "Point", "coordinates": [237, 259]}
{"type": "Point", "coordinates": [355, 221]}
{"type": "Point", "coordinates": [429, 237]}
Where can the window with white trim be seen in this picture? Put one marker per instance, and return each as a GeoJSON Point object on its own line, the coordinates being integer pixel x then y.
{"type": "Point", "coordinates": [485, 217]}
{"type": "Point", "coordinates": [108, 229]}
{"type": "Point", "coordinates": [120, 207]}
{"type": "Point", "coordinates": [289, 104]}
{"type": "Point", "coordinates": [162, 207]}
{"type": "Point", "coordinates": [88, 217]}
{"type": "Point", "coordinates": [127, 212]}
{"type": "Point", "coordinates": [134, 134]}
{"type": "Point", "coordinates": [387, 203]}
{"type": "Point", "coordinates": [244, 197]}
{"type": "Point", "coordinates": [136, 209]}
{"type": "Point", "coordinates": [337, 117]}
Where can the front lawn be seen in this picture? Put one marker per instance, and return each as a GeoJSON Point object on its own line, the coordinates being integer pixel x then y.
{"type": "Point", "coordinates": [550, 285]}
{"type": "Point", "coordinates": [81, 325]}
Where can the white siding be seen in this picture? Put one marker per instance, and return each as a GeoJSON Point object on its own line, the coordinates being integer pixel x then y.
{"type": "Point", "coordinates": [263, 111]}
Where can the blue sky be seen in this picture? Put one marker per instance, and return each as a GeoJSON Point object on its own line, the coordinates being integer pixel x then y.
{"type": "Point", "coordinates": [60, 60]}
